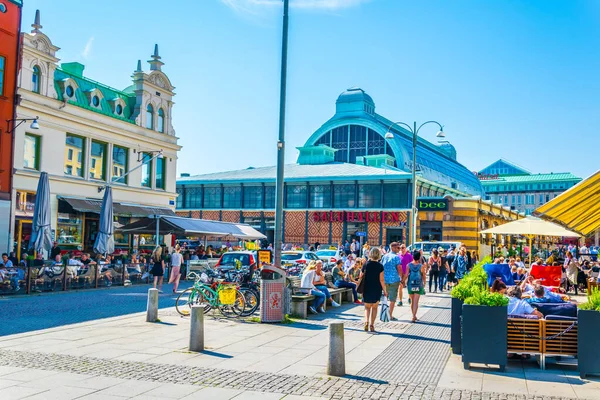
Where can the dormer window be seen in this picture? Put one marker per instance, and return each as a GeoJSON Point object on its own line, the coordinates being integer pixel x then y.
{"type": "Point", "coordinates": [95, 101]}
{"type": "Point", "coordinates": [119, 109]}
{"type": "Point", "coordinates": [69, 91]}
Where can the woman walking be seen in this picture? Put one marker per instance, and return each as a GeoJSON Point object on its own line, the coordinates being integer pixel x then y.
{"type": "Point", "coordinates": [417, 274]}
{"type": "Point", "coordinates": [372, 273]}
{"type": "Point", "coordinates": [572, 269]}
{"type": "Point", "coordinates": [158, 267]}
{"type": "Point", "coordinates": [176, 259]}
{"type": "Point", "coordinates": [443, 269]}
{"type": "Point", "coordinates": [434, 263]}
{"type": "Point", "coordinates": [460, 264]}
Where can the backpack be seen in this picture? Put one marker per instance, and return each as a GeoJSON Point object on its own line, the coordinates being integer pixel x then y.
{"type": "Point", "coordinates": [435, 267]}
{"type": "Point", "coordinates": [415, 279]}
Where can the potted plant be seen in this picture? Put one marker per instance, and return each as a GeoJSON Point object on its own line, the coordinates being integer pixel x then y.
{"type": "Point", "coordinates": [588, 326]}
{"type": "Point", "coordinates": [477, 278]}
{"type": "Point", "coordinates": [484, 328]}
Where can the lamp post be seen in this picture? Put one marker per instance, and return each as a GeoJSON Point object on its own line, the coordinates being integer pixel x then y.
{"type": "Point", "coordinates": [415, 134]}
{"type": "Point", "coordinates": [34, 123]}
{"type": "Point", "coordinates": [281, 141]}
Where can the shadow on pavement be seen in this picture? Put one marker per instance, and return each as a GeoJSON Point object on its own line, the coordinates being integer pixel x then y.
{"type": "Point", "coordinates": [365, 379]}
{"type": "Point", "coordinates": [215, 354]}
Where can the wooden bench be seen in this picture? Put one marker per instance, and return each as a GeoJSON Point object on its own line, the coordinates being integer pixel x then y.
{"type": "Point", "coordinates": [591, 285]}
{"type": "Point", "coordinates": [525, 337]}
{"type": "Point", "coordinates": [301, 300]}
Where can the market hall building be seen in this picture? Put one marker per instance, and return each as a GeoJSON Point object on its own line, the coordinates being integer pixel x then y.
{"type": "Point", "coordinates": [348, 182]}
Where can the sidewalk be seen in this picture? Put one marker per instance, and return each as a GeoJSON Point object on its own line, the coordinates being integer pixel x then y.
{"type": "Point", "coordinates": [127, 358]}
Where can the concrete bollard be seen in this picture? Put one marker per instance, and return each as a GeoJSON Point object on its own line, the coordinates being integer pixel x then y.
{"type": "Point", "coordinates": [197, 329]}
{"type": "Point", "coordinates": [152, 307]}
{"type": "Point", "coordinates": [336, 364]}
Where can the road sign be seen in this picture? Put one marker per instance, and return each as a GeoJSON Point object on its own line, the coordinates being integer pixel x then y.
{"type": "Point", "coordinates": [361, 234]}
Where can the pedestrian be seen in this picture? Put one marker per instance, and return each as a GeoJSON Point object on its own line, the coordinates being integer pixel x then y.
{"type": "Point", "coordinates": [443, 268]}
{"type": "Point", "coordinates": [321, 284]}
{"type": "Point", "coordinates": [392, 275]}
{"type": "Point", "coordinates": [55, 250]}
{"type": "Point", "coordinates": [434, 269]}
{"type": "Point", "coordinates": [307, 285]}
{"type": "Point", "coordinates": [158, 268]}
{"type": "Point", "coordinates": [405, 258]}
{"type": "Point", "coordinates": [176, 259]}
{"type": "Point", "coordinates": [417, 274]}
{"type": "Point", "coordinates": [372, 273]}
{"type": "Point", "coordinates": [572, 269]}
{"type": "Point", "coordinates": [341, 279]}
{"type": "Point", "coordinates": [460, 264]}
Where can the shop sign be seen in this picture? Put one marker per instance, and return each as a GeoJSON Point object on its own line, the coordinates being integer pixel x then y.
{"type": "Point", "coordinates": [264, 256]}
{"type": "Point", "coordinates": [432, 204]}
{"type": "Point", "coordinates": [360, 216]}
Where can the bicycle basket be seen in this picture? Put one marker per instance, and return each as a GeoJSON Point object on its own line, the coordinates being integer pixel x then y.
{"type": "Point", "coordinates": [227, 294]}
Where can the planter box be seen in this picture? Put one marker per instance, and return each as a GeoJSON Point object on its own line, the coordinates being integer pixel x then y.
{"type": "Point", "coordinates": [455, 326]}
{"type": "Point", "coordinates": [484, 335]}
{"type": "Point", "coordinates": [588, 326]}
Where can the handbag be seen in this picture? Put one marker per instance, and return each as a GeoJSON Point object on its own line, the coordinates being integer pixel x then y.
{"type": "Point", "coordinates": [360, 288]}
{"type": "Point", "coordinates": [384, 314]}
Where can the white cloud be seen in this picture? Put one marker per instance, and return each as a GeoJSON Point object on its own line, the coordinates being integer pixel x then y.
{"type": "Point", "coordinates": [88, 48]}
{"type": "Point", "coordinates": [255, 6]}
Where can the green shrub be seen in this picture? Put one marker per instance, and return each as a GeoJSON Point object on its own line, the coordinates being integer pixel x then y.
{"type": "Point", "coordinates": [593, 301]}
{"type": "Point", "coordinates": [483, 297]}
{"type": "Point", "coordinates": [474, 280]}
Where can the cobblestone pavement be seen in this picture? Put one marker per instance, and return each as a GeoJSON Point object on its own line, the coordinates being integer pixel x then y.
{"type": "Point", "coordinates": [48, 310]}
{"type": "Point", "coordinates": [332, 388]}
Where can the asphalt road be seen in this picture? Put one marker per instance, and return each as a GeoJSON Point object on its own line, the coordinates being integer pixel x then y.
{"type": "Point", "coordinates": [26, 313]}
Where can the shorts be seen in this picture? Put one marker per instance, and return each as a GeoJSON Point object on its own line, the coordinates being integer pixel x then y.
{"type": "Point", "coordinates": [420, 291]}
{"type": "Point", "coordinates": [392, 290]}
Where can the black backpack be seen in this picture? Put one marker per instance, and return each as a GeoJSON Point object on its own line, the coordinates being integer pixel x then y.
{"type": "Point", "coordinates": [435, 267]}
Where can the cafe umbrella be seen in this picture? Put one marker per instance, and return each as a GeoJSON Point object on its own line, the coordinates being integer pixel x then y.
{"type": "Point", "coordinates": [41, 235]}
{"type": "Point", "coordinates": [105, 242]}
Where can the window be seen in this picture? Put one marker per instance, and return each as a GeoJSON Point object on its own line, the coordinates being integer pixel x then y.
{"type": "Point", "coordinates": [339, 141]}
{"type": "Point", "coordinates": [396, 195]}
{"type": "Point", "coordinates": [149, 117]}
{"type": "Point", "coordinates": [547, 198]}
{"type": "Point", "coordinates": [95, 101]}
{"type": "Point", "coordinates": [295, 196]}
{"type": "Point", "coordinates": [69, 228]}
{"type": "Point", "coordinates": [541, 199]}
{"type": "Point", "coordinates": [320, 196]}
{"type": "Point", "coordinates": [212, 197]}
{"type": "Point", "coordinates": [161, 170]}
{"type": "Point", "coordinates": [147, 170]}
{"type": "Point", "coordinates": [161, 121]}
{"type": "Point", "coordinates": [232, 197]}
{"type": "Point", "coordinates": [179, 202]}
{"type": "Point", "coordinates": [2, 67]}
{"type": "Point", "coordinates": [32, 152]}
{"type": "Point", "coordinates": [98, 161]}
{"type": "Point", "coordinates": [358, 142]}
{"type": "Point", "coordinates": [35, 79]}
{"type": "Point", "coordinates": [269, 196]}
{"type": "Point", "coordinates": [75, 145]}
{"type": "Point", "coordinates": [193, 197]}
{"type": "Point", "coordinates": [69, 91]}
{"type": "Point", "coordinates": [369, 196]}
{"type": "Point", "coordinates": [253, 197]}
{"type": "Point", "coordinates": [119, 161]}
{"type": "Point", "coordinates": [119, 109]}
{"type": "Point", "coordinates": [343, 196]}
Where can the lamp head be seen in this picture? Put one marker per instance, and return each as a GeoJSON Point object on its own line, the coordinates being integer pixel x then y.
{"type": "Point", "coordinates": [34, 124]}
{"type": "Point", "coordinates": [441, 133]}
{"type": "Point", "coordinates": [389, 135]}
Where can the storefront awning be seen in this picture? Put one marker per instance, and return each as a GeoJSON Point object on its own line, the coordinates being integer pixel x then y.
{"type": "Point", "coordinates": [192, 226]}
{"type": "Point", "coordinates": [577, 209]}
{"type": "Point", "coordinates": [119, 209]}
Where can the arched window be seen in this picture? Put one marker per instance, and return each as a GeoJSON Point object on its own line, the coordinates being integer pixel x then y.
{"type": "Point", "coordinates": [35, 79]}
{"type": "Point", "coordinates": [149, 117]}
{"type": "Point", "coordinates": [161, 121]}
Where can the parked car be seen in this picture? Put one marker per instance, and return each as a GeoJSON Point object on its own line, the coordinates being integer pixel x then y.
{"type": "Point", "coordinates": [329, 256]}
{"type": "Point", "coordinates": [295, 261]}
{"type": "Point", "coordinates": [228, 260]}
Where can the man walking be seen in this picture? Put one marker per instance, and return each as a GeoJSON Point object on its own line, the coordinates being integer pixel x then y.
{"type": "Point", "coordinates": [392, 275]}
{"type": "Point", "coordinates": [405, 258]}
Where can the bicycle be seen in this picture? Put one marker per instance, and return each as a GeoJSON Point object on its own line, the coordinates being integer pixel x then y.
{"type": "Point", "coordinates": [210, 294]}
{"type": "Point", "coordinates": [248, 286]}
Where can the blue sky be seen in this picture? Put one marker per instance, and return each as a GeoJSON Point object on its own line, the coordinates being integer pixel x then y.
{"type": "Point", "coordinates": [511, 79]}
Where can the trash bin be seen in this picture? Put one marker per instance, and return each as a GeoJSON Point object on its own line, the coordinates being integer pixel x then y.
{"type": "Point", "coordinates": [272, 286]}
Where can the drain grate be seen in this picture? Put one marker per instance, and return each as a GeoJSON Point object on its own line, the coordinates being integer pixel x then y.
{"type": "Point", "coordinates": [419, 355]}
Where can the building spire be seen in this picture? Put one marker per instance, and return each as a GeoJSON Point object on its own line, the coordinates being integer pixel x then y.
{"type": "Point", "coordinates": [36, 23]}
{"type": "Point", "coordinates": [139, 66]}
{"type": "Point", "coordinates": [155, 63]}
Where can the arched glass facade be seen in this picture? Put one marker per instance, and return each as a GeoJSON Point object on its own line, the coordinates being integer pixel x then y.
{"type": "Point", "coordinates": [353, 141]}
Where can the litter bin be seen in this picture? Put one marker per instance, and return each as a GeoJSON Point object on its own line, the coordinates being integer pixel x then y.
{"type": "Point", "coordinates": [272, 286]}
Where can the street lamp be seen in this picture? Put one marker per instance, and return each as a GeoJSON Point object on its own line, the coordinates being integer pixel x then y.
{"type": "Point", "coordinates": [34, 124]}
{"type": "Point", "coordinates": [415, 133]}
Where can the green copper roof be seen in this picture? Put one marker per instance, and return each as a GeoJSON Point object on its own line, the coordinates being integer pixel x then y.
{"type": "Point", "coordinates": [17, 2]}
{"type": "Point", "coordinates": [536, 178]}
{"type": "Point", "coordinates": [74, 71]}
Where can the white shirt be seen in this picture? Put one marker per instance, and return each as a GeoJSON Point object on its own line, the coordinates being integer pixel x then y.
{"type": "Point", "coordinates": [307, 280]}
{"type": "Point", "coordinates": [176, 259]}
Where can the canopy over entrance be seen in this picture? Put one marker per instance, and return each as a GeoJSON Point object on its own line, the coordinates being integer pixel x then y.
{"type": "Point", "coordinates": [577, 209]}
{"type": "Point", "coordinates": [191, 226]}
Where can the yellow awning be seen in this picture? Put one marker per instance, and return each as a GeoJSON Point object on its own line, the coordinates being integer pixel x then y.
{"type": "Point", "coordinates": [577, 209]}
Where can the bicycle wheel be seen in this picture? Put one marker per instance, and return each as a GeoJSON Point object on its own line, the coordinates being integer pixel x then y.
{"type": "Point", "coordinates": [234, 310]}
{"type": "Point", "coordinates": [184, 301]}
{"type": "Point", "coordinates": [252, 302]}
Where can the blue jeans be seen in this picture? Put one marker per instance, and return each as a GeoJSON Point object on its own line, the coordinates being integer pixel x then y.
{"type": "Point", "coordinates": [324, 289]}
{"type": "Point", "coordinates": [442, 279]}
{"type": "Point", "coordinates": [319, 298]}
{"type": "Point", "coordinates": [344, 284]}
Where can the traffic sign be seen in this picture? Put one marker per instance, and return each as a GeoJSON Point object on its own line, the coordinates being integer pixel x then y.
{"type": "Point", "coordinates": [361, 234]}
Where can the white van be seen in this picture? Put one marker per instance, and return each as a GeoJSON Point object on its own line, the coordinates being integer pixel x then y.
{"type": "Point", "coordinates": [428, 246]}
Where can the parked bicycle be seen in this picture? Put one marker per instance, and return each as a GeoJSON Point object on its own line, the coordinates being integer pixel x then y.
{"type": "Point", "coordinates": [248, 284]}
{"type": "Point", "coordinates": [211, 293]}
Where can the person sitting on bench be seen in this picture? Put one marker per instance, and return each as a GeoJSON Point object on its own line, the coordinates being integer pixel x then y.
{"type": "Point", "coordinates": [518, 306]}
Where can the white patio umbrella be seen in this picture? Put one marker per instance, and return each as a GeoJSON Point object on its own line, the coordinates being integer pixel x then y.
{"type": "Point", "coordinates": [530, 227]}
